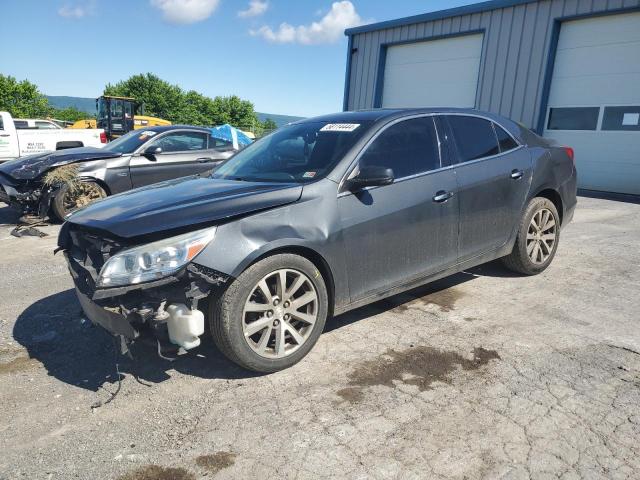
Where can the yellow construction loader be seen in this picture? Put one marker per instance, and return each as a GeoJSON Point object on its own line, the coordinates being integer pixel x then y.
{"type": "Point", "coordinates": [119, 115]}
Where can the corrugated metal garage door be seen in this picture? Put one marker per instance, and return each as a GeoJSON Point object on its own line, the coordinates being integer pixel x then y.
{"type": "Point", "coordinates": [594, 102]}
{"type": "Point", "coordinates": [434, 73]}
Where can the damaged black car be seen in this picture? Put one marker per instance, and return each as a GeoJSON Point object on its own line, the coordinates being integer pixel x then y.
{"type": "Point", "coordinates": [58, 183]}
{"type": "Point", "coordinates": [320, 217]}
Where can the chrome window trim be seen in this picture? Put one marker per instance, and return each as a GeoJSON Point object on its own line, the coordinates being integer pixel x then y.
{"type": "Point", "coordinates": [351, 168]}
{"type": "Point", "coordinates": [442, 169]}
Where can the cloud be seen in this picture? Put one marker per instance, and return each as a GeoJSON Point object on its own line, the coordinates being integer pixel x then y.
{"type": "Point", "coordinates": [75, 11]}
{"type": "Point", "coordinates": [185, 11]}
{"type": "Point", "coordinates": [255, 9]}
{"type": "Point", "coordinates": [328, 29]}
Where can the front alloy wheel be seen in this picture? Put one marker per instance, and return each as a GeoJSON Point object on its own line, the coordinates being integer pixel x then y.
{"type": "Point", "coordinates": [69, 199]}
{"type": "Point", "coordinates": [280, 313]}
{"type": "Point", "coordinates": [272, 314]}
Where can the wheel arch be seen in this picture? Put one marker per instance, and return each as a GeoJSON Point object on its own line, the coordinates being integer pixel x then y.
{"type": "Point", "coordinates": [554, 197]}
{"type": "Point", "coordinates": [310, 254]}
{"type": "Point", "coordinates": [101, 183]}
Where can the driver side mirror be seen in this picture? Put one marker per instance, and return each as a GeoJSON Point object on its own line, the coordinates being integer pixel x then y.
{"type": "Point", "coordinates": [371, 176]}
{"type": "Point", "coordinates": [151, 152]}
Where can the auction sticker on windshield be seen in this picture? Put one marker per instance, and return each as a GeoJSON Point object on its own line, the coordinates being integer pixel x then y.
{"type": "Point", "coordinates": [340, 127]}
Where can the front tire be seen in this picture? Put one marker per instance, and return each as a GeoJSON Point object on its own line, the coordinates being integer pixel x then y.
{"type": "Point", "coordinates": [271, 316]}
{"type": "Point", "coordinates": [67, 200]}
{"type": "Point", "coordinates": [537, 240]}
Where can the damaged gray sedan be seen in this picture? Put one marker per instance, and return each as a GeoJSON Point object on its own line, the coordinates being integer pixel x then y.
{"type": "Point", "coordinates": [62, 181]}
{"type": "Point", "coordinates": [320, 217]}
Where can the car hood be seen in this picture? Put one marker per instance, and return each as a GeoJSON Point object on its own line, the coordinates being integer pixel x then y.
{"type": "Point", "coordinates": [184, 202]}
{"type": "Point", "coordinates": [32, 166]}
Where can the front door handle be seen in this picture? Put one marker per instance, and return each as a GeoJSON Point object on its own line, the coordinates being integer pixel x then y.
{"type": "Point", "coordinates": [4, 134]}
{"type": "Point", "coordinates": [516, 174]}
{"type": "Point", "coordinates": [442, 196]}
{"type": "Point", "coordinates": [204, 160]}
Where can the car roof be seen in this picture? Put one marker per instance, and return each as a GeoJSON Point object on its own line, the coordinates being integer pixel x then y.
{"type": "Point", "coordinates": [378, 114]}
{"type": "Point", "coordinates": [167, 128]}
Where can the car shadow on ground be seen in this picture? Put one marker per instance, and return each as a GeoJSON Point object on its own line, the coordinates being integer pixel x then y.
{"type": "Point", "coordinates": [54, 332]}
{"type": "Point", "coordinates": [8, 216]}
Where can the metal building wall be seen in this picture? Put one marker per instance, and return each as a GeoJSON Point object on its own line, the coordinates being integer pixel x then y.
{"type": "Point", "coordinates": [518, 41]}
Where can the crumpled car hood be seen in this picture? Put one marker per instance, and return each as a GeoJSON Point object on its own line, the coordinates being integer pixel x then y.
{"type": "Point", "coordinates": [185, 202]}
{"type": "Point", "coordinates": [32, 166]}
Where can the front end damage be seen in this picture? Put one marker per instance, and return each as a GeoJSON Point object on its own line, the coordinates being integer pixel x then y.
{"type": "Point", "coordinates": [29, 197]}
{"type": "Point", "coordinates": [170, 311]}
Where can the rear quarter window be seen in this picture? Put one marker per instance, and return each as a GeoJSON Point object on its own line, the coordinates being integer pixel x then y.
{"type": "Point", "coordinates": [505, 141]}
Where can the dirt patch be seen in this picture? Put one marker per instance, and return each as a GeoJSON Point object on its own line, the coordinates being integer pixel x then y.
{"type": "Point", "coordinates": [420, 366]}
{"type": "Point", "coordinates": [216, 462]}
{"type": "Point", "coordinates": [351, 394]}
{"type": "Point", "coordinates": [17, 364]}
{"type": "Point", "coordinates": [444, 299]}
{"type": "Point", "coordinates": [155, 472]}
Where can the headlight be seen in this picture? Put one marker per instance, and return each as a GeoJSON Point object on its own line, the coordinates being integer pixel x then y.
{"type": "Point", "coordinates": [154, 260]}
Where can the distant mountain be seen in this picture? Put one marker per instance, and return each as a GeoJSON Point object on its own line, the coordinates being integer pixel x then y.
{"type": "Point", "coordinates": [81, 103]}
{"type": "Point", "coordinates": [89, 105]}
{"type": "Point", "coordinates": [279, 119]}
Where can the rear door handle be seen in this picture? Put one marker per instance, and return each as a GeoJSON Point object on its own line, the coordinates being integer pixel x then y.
{"type": "Point", "coordinates": [442, 196]}
{"type": "Point", "coordinates": [516, 174]}
{"type": "Point", "coordinates": [204, 160]}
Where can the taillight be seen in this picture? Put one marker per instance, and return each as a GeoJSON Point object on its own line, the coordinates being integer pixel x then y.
{"type": "Point", "coordinates": [103, 138]}
{"type": "Point", "coordinates": [569, 152]}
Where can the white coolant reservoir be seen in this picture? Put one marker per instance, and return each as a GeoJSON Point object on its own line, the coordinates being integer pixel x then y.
{"type": "Point", "coordinates": [185, 325]}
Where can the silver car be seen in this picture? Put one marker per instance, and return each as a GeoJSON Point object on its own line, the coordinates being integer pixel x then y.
{"type": "Point", "coordinates": [139, 158]}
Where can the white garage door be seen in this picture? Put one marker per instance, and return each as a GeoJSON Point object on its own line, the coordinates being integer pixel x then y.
{"type": "Point", "coordinates": [434, 73]}
{"type": "Point", "coordinates": [594, 102]}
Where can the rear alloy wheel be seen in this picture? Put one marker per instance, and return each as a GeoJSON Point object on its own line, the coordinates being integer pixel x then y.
{"type": "Point", "coordinates": [537, 239]}
{"type": "Point", "coordinates": [270, 317]}
{"type": "Point", "coordinates": [541, 236]}
{"type": "Point", "coordinates": [67, 200]}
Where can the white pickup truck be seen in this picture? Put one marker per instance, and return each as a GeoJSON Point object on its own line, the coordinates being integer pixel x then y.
{"type": "Point", "coordinates": [16, 143]}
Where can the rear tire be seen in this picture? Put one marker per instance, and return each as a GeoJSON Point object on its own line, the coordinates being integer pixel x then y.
{"type": "Point", "coordinates": [66, 201]}
{"type": "Point", "coordinates": [270, 331]}
{"type": "Point", "coordinates": [537, 240]}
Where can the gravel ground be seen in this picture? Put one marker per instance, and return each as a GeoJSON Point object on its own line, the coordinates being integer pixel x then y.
{"type": "Point", "coordinates": [481, 375]}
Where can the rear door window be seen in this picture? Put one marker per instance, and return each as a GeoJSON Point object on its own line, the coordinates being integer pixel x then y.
{"type": "Point", "coordinates": [505, 141]}
{"type": "Point", "coordinates": [474, 137]}
{"type": "Point", "coordinates": [408, 148]}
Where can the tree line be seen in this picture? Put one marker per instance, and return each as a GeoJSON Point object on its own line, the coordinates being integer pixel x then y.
{"type": "Point", "coordinates": [161, 99]}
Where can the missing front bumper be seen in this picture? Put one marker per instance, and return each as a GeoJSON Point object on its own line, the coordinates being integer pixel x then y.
{"type": "Point", "coordinates": [114, 323]}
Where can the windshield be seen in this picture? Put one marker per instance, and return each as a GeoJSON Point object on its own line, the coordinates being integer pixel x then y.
{"type": "Point", "coordinates": [302, 153]}
{"type": "Point", "coordinates": [129, 142]}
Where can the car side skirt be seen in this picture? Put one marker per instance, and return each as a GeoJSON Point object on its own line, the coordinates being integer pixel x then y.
{"type": "Point", "coordinates": [416, 282]}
